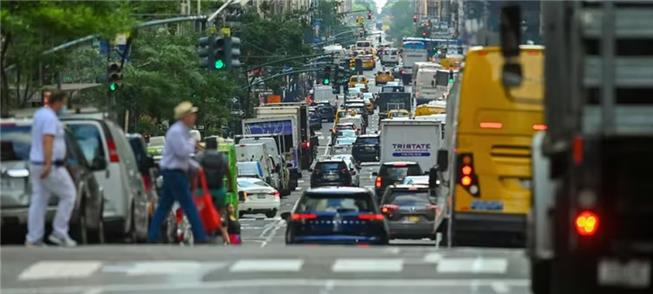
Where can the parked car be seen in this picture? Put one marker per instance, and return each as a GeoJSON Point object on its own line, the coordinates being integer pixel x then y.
{"type": "Point", "coordinates": [351, 164]}
{"type": "Point", "coordinates": [256, 196]}
{"type": "Point", "coordinates": [331, 173]}
{"type": "Point", "coordinates": [155, 147]}
{"type": "Point", "coordinates": [336, 215]}
{"type": "Point", "coordinates": [410, 211]}
{"type": "Point", "coordinates": [146, 167]}
{"type": "Point", "coordinates": [105, 145]}
{"type": "Point", "coordinates": [391, 173]}
{"type": "Point", "coordinates": [87, 218]}
{"type": "Point", "coordinates": [366, 148]}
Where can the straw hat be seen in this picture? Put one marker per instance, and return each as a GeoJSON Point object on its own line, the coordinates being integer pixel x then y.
{"type": "Point", "coordinates": [184, 108]}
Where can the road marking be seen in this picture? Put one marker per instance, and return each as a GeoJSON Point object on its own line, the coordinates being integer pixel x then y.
{"type": "Point", "coordinates": [473, 265]}
{"type": "Point", "coordinates": [368, 265]}
{"type": "Point", "coordinates": [500, 287]}
{"type": "Point", "coordinates": [267, 265]}
{"type": "Point", "coordinates": [60, 270]}
{"type": "Point", "coordinates": [433, 257]}
{"type": "Point", "coordinates": [161, 267]}
{"type": "Point", "coordinates": [275, 283]}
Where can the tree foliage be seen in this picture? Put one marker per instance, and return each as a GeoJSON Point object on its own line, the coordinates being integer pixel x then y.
{"type": "Point", "coordinates": [397, 14]}
{"type": "Point", "coordinates": [30, 27]}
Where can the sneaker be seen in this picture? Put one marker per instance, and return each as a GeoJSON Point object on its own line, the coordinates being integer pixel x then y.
{"type": "Point", "coordinates": [35, 244]}
{"type": "Point", "coordinates": [62, 241]}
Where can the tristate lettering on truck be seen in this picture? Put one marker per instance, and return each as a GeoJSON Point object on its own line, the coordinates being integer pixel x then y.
{"type": "Point", "coordinates": [405, 139]}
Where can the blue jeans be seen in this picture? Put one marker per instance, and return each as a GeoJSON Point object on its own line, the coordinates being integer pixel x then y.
{"type": "Point", "coordinates": [176, 188]}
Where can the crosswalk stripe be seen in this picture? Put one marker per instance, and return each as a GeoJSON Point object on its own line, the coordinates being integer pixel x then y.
{"type": "Point", "coordinates": [267, 265]}
{"type": "Point", "coordinates": [473, 265]}
{"type": "Point", "coordinates": [59, 270]}
{"type": "Point", "coordinates": [368, 265]}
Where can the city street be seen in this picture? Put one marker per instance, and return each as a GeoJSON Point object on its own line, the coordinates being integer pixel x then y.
{"type": "Point", "coordinates": [275, 268]}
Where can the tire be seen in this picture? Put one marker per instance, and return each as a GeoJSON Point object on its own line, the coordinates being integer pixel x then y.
{"type": "Point", "coordinates": [79, 230]}
{"type": "Point", "coordinates": [540, 276]}
{"type": "Point", "coordinates": [270, 214]}
{"type": "Point", "coordinates": [97, 235]}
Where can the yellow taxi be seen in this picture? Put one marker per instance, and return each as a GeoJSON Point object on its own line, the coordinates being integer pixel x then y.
{"type": "Point", "coordinates": [382, 77]}
{"type": "Point", "coordinates": [357, 79]}
{"type": "Point", "coordinates": [429, 109]}
{"type": "Point", "coordinates": [340, 114]}
{"type": "Point", "coordinates": [368, 62]}
{"type": "Point", "coordinates": [398, 113]}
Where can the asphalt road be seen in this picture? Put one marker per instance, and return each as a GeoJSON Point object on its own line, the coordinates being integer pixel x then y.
{"type": "Point", "coordinates": [271, 269]}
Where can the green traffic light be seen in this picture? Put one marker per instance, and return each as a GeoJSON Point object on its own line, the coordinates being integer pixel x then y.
{"type": "Point", "coordinates": [219, 64]}
{"type": "Point", "coordinates": [326, 82]}
{"type": "Point", "coordinates": [113, 86]}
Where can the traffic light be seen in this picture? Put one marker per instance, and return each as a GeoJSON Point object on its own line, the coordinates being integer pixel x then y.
{"type": "Point", "coordinates": [232, 48]}
{"type": "Point", "coordinates": [212, 53]}
{"type": "Point", "coordinates": [369, 14]}
{"type": "Point", "coordinates": [326, 78]}
{"type": "Point", "coordinates": [114, 76]}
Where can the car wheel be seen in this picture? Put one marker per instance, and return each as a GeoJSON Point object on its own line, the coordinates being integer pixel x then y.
{"type": "Point", "coordinates": [270, 214]}
{"type": "Point", "coordinates": [79, 229]}
{"type": "Point", "coordinates": [97, 234]}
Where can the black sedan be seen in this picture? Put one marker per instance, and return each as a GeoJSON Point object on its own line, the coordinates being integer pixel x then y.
{"type": "Point", "coordinates": [336, 215]}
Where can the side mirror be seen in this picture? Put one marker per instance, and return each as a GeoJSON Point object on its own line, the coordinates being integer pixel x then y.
{"type": "Point", "coordinates": [98, 163]}
{"type": "Point", "coordinates": [285, 215]}
{"type": "Point", "coordinates": [510, 30]}
{"type": "Point", "coordinates": [511, 75]}
{"type": "Point", "coordinates": [443, 160]}
{"type": "Point", "coordinates": [433, 177]}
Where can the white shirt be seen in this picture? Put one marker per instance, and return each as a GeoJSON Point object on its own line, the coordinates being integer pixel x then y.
{"type": "Point", "coordinates": [46, 122]}
{"type": "Point", "coordinates": [178, 148]}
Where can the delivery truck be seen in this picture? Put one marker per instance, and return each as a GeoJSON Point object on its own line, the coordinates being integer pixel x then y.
{"type": "Point", "coordinates": [406, 139]}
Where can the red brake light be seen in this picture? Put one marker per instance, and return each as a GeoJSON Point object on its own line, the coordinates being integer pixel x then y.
{"type": "Point", "coordinates": [491, 125]}
{"type": "Point", "coordinates": [378, 182]}
{"type": "Point", "coordinates": [303, 216]}
{"type": "Point", "coordinates": [389, 208]}
{"type": "Point", "coordinates": [370, 216]}
{"type": "Point", "coordinates": [587, 223]}
{"type": "Point", "coordinates": [540, 127]}
{"type": "Point", "coordinates": [276, 194]}
{"type": "Point", "coordinates": [113, 153]}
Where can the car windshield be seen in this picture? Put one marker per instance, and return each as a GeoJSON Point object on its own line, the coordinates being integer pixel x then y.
{"type": "Point", "coordinates": [367, 141]}
{"type": "Point", "coordinates": [314, 202]}
{"type": "Point", "coordinates": [346, 133]}
{"type": "Point", "coordinates": [16, 142]}
{"type": "Point", "coordinates": [398, 173]}
{"type": "Point", "coordinates": [402, 198]}
{"type": "Point", "coordinates": [90, 141]}
{"type": "Point", "coordinates": [249, 183]}
{"type": "Point", "coordinates": [329, 166]}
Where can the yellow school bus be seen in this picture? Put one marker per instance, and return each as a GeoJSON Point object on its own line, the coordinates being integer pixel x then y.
{"type": "Point", "coordinates": [487, 142]}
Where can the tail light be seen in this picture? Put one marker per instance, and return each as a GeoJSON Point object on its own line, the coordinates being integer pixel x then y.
{"type": "Point", "coordinates": [540, 127]}
{"type": "Point", "coordinates": [276, 194]}
{"type": "Point", "coordinates": [113, 153]}
{"type": "Point", "coordinates": [378, 182]}
{"type": "Point", "coordinates": [467, 177]}
{"type": "Point", "coordinates": [389, 208]}
{"type": "Point", "coordinates": [587, 223]}
{"type": "Point", "coordinates": [371, 216]}
{"type": "Point", "coordinates": [491, 125]}
{"type": "Point", "coordinates": [303, 216]}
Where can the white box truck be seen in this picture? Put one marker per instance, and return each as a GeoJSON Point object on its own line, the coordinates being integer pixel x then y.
{"type": "Point", "coordinates": [406, 139]}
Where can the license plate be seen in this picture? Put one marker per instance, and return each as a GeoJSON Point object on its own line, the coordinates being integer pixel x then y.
{"type": "Point", "coordinates": [331, 177]}
{"type": "Point", "coordinates": [412, 219]}
{"type": "Point", "coordinates": [632, 273]}
{"type": "Point", "coordinates": [260, 196]}
{"type": "Point", "coordinates": [369, 148]}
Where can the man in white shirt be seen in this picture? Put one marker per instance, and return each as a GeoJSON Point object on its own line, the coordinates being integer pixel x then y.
{"type": "Point", "coordinates": [48, 175]}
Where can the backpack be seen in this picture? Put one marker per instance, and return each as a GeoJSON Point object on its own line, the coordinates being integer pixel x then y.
{"type": "Point", "coordinates": [214, 164]}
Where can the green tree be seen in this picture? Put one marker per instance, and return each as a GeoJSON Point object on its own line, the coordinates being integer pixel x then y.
{"type": "Point", "coordinates": [164, 70]}
{"type": "Point", "coordinates": [30, 27]}
{"type": "Point", "coordinates": [399, 21]}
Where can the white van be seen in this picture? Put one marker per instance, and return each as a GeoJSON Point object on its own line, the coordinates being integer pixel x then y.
{"type": "Point", "coordinates": [125, 205]}
{"type": "Point", "coordinates": [259, 152]}
{"type": "Point", "coordinates": [390, 56]}
{"type": "Point", "coordinates": [278, 161]}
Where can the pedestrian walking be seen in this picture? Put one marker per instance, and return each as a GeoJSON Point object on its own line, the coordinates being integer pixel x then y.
{"type": "Point", "coordinates": [49, 176]}
{"type": "Point", "coordinates": [176, 164]}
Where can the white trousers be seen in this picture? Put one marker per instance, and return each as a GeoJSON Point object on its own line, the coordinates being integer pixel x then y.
{"type": "Point", "coordinates": [59, 183]}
